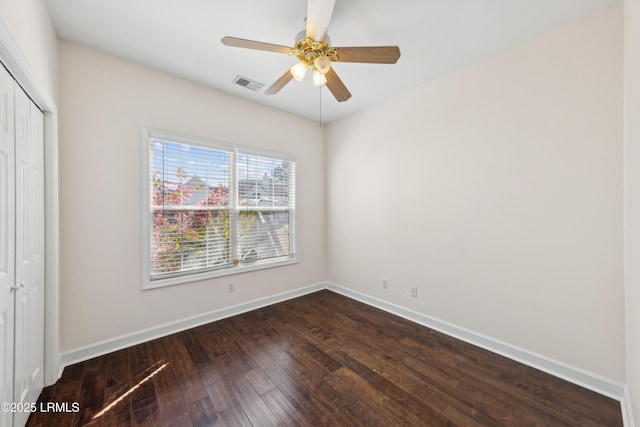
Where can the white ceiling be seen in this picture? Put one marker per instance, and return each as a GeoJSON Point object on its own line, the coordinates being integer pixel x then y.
{"type": "Point", "coordinates": [182, 37]}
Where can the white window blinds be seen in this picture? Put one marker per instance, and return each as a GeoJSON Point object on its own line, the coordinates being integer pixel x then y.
{"type": "Point", "coordinates": [214, 207]}
{"type": "Point", "coordinates": [265, 200]}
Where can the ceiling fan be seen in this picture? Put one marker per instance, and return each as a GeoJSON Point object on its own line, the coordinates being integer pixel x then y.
{"type": "Point", "coordinates": [314, 51]}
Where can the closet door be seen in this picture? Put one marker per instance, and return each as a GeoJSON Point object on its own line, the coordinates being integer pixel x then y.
{"type": "Point", "coordinates": [7, 240]}
{"type": "Point", "coordinates": [29, 309]}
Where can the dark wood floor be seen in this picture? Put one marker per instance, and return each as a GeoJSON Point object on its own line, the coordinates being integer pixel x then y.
{"type": "Point", "coordinates": [318, 360]}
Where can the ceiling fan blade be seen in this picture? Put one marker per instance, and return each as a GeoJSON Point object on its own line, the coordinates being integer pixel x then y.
{"type": "Point", "coordinates": [337, 88]}
{"type": "Point", "coordinates": [369, 54]}
{"type": "Point", "coordinates": [279, 84]}
{"type": "Point", "coordinates": [251, 44]}
{"type": "Point", "coordinates": [318, 18]}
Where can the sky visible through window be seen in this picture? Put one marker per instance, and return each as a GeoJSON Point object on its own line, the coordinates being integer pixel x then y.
{"type": "Point", "coordinates": [208, 164]}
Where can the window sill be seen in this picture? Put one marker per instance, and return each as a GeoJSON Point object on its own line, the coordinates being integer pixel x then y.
{"type": "Point", "coordinates": [196, 277]}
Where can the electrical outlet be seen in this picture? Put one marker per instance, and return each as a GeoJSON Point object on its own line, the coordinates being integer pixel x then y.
{"type": "Point", "coordinates": [384, 284]}
{"type": "Point", "coordinates": [414, 291]}
{"type": "Point", "coordinates": [231, 287]}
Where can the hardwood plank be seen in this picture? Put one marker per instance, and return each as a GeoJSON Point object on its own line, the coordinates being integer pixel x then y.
{"type": "Point", "coordinates": [196, 352]}
{"type": "Point", "coordinates": [371, 405]}
{"type": "Point", "coordinates": [119, 416]}
{"type": "Point", "coordinates": [202, 413]}
{"type": "Point", "coordinates": [221, 394]}
{"type": "Point", "coordinates": [264, 351]}
{"type": "Point", "coordinates": [67, 390]}
{"type": "Point", "coordinates": [143, 392]}
{"type": "Point", "coordinates": [252, 404]}
{"type": "Point", "coordinates": [92, 390]}
{"type": "Point", "coordinates": [233, 416]}
{"type": "Point", "coordinates": [260, 381]}
{"type": "Point", "coordinates": [187, 376]}
{"type": "Point", "coordinates": [318, 360]}
{"type": "Point", "coordinates": [411, 403]}
{"type": "Point", "coordinates": [147, 415]}
{"type": "Point", "coordinates": [284, 410]}
{"type": "Point", "coordinates": [37, 419]}
{"type": "Point", "coordinates": [173, 409]}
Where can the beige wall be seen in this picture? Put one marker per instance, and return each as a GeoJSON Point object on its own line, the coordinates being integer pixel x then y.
{"type": "Point", "coordinates": [105, 102]}
{"type": "Point", "coordinates": [497, 190]}
{"type": "Point", "coordinates": [29, 23]}
{"type": "Point", "coordinates": [632, 197]}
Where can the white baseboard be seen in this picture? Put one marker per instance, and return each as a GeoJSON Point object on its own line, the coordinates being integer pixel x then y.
{"type": "Point", "coordinates": [124, 341]}
{"type": "Point", "coordinates": [561, 370]}
{"type": "Point", "coordinates": [574, 375]}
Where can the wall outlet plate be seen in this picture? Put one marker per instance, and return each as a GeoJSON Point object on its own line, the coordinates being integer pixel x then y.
{"type": "Point", "coordinates": [414, 291]}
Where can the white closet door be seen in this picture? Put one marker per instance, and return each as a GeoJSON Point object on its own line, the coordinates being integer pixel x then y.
{"type": "Point", "coordinates": [7, 240]}
{"type": "Point", "coordinates": [29, 315]}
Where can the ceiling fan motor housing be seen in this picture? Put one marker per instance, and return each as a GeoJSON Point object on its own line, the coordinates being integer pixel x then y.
{"type": "Point", "coordinates": [316, 54]}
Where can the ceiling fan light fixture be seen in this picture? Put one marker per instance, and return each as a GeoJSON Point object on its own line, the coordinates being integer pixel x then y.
{"type": "Point", "coordinates": [319, 79]}
{"type": "Point", "coordinates": [313, 49]}
{"type": "Point", "coordinates": [299, 70]}
{"type": "Point", "coordinates": [322, 64]}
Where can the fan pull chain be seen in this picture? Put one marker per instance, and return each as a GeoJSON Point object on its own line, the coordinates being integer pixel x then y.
{"type": "Point", "coordinates": [320, 106]}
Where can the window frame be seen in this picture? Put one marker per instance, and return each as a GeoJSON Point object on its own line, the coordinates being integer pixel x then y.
{"type": "Point", "coordinates": [148, 133]}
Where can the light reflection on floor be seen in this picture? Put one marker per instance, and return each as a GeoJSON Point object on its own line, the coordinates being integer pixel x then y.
{"type": "Point", "coordinates": [128, 392]}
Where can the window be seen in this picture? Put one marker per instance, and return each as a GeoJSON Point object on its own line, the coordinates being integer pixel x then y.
{"type": "Point", "coordinates": [212, 209]}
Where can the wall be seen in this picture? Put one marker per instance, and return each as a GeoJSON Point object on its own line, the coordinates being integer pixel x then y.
{"type": "Point", "coordinates": [497, 190]}
{"type": "Point", "coordinates": [105, 101]}
{"type": "Point", "coordinates": [29, 23]}
{"type": "Point", "coordinates": [632, 196]}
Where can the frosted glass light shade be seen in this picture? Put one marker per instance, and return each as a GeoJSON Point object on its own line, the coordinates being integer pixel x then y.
{"type": "Point", "coordinates": [299, 70]}
{"type": "Point", "coordinates": [319, 79]}
{"type": "Point", "coordinates": [322, 64]}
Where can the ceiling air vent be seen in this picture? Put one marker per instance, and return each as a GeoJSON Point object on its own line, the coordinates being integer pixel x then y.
{"type": "Point", "coordinates": [248, 83]}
